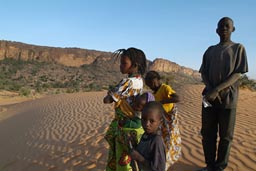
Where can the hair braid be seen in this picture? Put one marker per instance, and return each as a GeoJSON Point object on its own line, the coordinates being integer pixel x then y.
{"type": "Point", "coordinates": [137, 57]}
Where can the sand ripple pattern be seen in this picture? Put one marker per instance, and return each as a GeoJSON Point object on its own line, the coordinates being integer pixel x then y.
{"type": "Point", "coordinates": [62, 132]}
{"type": "Point", "coordinates": [243, 151]}
{"type": "Point", "coordinates": [66, 133]}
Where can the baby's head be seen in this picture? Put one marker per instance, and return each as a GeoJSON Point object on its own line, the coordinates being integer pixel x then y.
{"type": "Point", "coordinates": [152, 116]}
{"type": "Point", "coordinates": [141, 100]}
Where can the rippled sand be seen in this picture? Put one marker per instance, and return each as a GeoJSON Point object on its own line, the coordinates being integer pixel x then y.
{"type": "Point", "coordinates": [243, 151]}
{"type": "Point", "coordinates": [66, 133]}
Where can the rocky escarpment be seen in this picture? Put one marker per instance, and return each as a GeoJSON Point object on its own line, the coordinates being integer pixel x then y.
{"type": "Point", "coordinates": [77, 57]}
{"type": "Point", "coordinates": [66, 56]}
{"type": "Point", "coordinates": [41, 67]}
{"type": "Point", "coordinates": [163, 65]}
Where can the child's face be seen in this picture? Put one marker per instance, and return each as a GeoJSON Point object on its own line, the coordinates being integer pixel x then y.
{"type": "Point", "coordinates": [152, 84]}
{"type": "Point", "coordinates": [150, 121]}
{"type": "Point", "coordinates": [225, 28]}
{"type": "Point", "coordinates": [139, 104]}
{"type": "Point", "coordinates": [125, 65]}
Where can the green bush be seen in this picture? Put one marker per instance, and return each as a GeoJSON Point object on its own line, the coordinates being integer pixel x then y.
{"type": "Point", "coordinates": [24, 91]}
{"type": "Point", "coordinates": [13, 87]}
{"type": "Point", "coordinates": [248, 83]}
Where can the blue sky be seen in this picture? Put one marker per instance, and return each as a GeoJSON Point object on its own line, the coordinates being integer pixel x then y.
{"type": "Point", "coordinates": [177, 30]}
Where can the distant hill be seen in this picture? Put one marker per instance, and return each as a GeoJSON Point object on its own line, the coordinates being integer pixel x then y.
{"type": "Point", "coordinates": [25, 66]}
{"type": "Point", "coordinates": [65, 56]}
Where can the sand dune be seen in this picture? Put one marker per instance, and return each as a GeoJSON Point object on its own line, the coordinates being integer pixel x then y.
{"type": "Point", "coordinates": [66, 133]}
{"type": "Point", "coordinates": [243, 151]}
{"type": "Point", "coordinates": [63, 132]}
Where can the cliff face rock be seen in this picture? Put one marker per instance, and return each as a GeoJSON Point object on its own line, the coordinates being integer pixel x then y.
{"type": "Point", "coordinates": [66, 56]}
{"type": "Point", "coordinates": [163, 65]}
{"type": "Point", "coordinates": [76, 57]}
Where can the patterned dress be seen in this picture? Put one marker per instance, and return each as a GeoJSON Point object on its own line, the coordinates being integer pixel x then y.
{"type": "Point", "coordinates": [123, 95]}
{"type": "Point", "coordinates": [170, 129]}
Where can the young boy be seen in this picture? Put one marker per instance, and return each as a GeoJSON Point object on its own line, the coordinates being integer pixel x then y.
{"type": "Point", "coordinates": [221, 69]}
{"type": "Point", "coordinates": [170, 130]}
{"type": "Point", "coordinates": [150, 152]}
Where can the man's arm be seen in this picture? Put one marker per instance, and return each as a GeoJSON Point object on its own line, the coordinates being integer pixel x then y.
{"type": "Point", "coordinates": [212, 95]}
{"type": "Point", "coordinates": [206, 82]}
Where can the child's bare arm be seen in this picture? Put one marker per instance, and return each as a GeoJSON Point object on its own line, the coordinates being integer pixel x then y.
{"type": "Point", "coordinates": [135, 155]}
{"type": "Point", "coordinates": [173, 99]}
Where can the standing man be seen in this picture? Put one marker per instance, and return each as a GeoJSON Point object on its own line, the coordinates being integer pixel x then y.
{"type": "Point", "coordinates": [221, 69]}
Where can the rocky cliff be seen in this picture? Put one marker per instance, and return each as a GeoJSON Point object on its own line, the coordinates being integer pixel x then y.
{"type": "Point", "coordinates": [77, 57]}
{"type": "Point", "coordinates": [40, 67]}
{"type": "Point", "coordinates": [163, 65]}
{"type": "Point", "coordinates": [66, 56]}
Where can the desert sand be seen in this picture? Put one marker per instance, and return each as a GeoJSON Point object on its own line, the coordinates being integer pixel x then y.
{"type": "Point", "coordinates": [66, 133]}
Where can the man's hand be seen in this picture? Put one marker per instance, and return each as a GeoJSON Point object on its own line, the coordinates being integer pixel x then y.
{"type": "Point", "coordinates": [212, 95]}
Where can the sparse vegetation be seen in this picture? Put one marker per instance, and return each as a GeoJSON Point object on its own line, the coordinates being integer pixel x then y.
{"type": "Point", "coordinates": [43, 69]}
{"type": "Point", "coordinates": [245, 82]}
{"type": "Point", "coordinates": [24, 77]}
{"type": "Point", "coordinates": [178, 79]}
{"type": "Point", "coordinates": [24, 91]}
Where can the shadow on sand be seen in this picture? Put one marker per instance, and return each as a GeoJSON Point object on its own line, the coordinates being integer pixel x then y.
{"type": "Point", "coordinates": [180, 166]}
